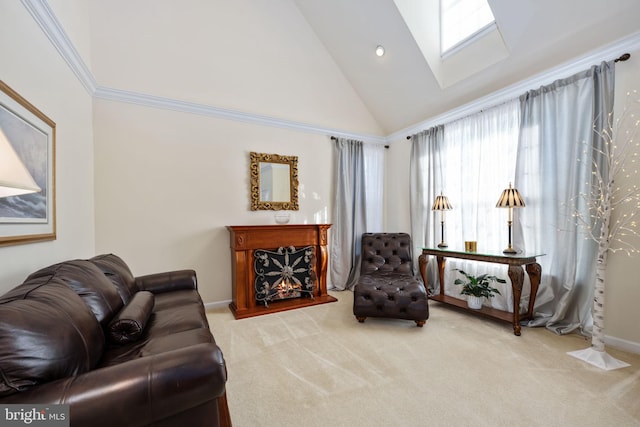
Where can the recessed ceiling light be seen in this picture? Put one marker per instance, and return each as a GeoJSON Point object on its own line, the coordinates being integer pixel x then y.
{"type": "Point", "coordinates": [379, 50]}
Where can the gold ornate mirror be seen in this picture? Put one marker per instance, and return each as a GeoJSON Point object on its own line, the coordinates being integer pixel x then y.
{"type": "Point", "coordinates": [274, 182]}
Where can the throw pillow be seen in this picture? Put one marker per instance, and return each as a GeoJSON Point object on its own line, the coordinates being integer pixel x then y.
{"type": "Point", "coordinates": [129, 324]}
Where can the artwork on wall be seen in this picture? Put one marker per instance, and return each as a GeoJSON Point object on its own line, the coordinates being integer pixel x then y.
{"type": "Point", "coordinates": [26, 132]}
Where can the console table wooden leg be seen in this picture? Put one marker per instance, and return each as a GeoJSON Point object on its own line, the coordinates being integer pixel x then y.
{"type": "Point", "coordinates": [516, 274]}
{"type": "Point", "coordinates": [442, 261]}
{"type": "Point", "coordinates": [535, 272]}
{"type": "Point", "coordinates": [423, 261]}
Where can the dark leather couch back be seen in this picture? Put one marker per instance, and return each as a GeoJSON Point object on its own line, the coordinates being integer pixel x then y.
{"type": "Point", "coordinates": [119, 273]}
{"type": "Point", "coordinates": [52, 326]}
{"type": "Point", "coordinates": [386, 253]}
{"type": "Point", "coordinates": [46, 332]}
{"type": "Point", "coordinates": [88, 281]}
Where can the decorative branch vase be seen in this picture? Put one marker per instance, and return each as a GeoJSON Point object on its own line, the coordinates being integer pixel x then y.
{"type": "Point", "coordinates": [474, 302]}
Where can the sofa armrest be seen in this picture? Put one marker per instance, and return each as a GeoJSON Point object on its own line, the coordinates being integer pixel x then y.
{"type": "Point", "coordinates": [138, 392]}
{"type": "Point", "coordinates": [168, 281]}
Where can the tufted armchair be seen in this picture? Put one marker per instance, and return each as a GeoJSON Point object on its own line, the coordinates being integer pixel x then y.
{"type": "Point", "coordinates": [387, 286]}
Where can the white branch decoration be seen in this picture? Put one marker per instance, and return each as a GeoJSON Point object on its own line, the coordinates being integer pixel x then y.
{"type": "Point", "coordinates": [617, 159]}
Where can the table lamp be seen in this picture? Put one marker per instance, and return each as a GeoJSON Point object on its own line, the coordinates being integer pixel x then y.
{"type": "Point", "coordinates": [441, 204]}
{"type": "Point", "coordinates": [510, 198]}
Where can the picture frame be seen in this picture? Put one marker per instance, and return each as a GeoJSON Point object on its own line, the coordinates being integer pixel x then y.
{"type": "Point", "coordinates": [274, 182]}
{"type": "Point", "coordinates": [28, 218]}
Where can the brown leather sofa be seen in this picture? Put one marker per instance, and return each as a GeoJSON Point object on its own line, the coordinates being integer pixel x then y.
{"type": "Point", "coordinates": [387, 286]}
{"type": "Point", "coordinates": [119, 350]}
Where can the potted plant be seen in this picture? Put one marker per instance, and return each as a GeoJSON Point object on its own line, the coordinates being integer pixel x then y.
{"type": "Point", "coordinates": [477, 288]}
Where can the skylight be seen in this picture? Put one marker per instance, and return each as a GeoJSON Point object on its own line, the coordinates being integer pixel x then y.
{"type": "Point", "coordinates": [463, 20]}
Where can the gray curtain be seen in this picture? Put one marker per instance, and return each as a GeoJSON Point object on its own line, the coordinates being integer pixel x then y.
{"type": "Point", "coordinates": [555, 157]}
{"type": "Point", "coordinates": [425, 183]}
{"type": "Point", "coordinates": [348, 213]}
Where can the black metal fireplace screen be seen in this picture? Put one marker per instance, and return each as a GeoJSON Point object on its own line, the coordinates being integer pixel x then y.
{"type": "Point", "coordinates": [284, 273]}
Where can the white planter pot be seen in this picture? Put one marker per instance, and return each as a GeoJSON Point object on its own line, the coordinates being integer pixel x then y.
{"type": "Point", "coordinates": [474, 302]}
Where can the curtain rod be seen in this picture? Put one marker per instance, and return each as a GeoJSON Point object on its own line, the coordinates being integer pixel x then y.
{"type": "Point", "coordinates": [622, 58]}
{"type": "Point", "coordinates": [335, 138]}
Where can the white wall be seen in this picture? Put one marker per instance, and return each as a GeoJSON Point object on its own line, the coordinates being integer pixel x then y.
{"type": "Point", "coordinates": [623, 284]}
{"type": "Point", "coordinates": [168, 184]}
{"type": "Point", "coordinates": [259, 57]}
{"type": "Point", "coordinates": [31, 66]}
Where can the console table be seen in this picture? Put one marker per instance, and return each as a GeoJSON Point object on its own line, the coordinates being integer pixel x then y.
{"type": "Point", "coordinates": [516, 274]}
{"type": "Point", "coordinates": [246, 239]}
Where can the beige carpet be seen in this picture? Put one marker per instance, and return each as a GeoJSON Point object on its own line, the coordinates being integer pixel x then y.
{"type": "Point", "coordinates": [318, 366]}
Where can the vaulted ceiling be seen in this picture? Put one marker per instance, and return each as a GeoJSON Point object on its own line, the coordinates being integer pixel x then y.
{"type": "Point", "coordinates": [400, 88]}
{"type": "Point", "coordinates": [264, 57]}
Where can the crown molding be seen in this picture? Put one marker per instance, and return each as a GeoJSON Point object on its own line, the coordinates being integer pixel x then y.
{"type": "Point", "coordinates": [626, 44]}
{"type": "Point", "coordinates": [153, 101]}
{"type": "Point", "coordinates": [46, 19]}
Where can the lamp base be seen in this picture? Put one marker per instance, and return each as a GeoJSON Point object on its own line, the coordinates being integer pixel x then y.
{"type": "Point", "coordinates": [510, 251]}
{"type": "Point", "coordinates": [601, 359]}
{"type": "Point", "coordinates": [442, 245]}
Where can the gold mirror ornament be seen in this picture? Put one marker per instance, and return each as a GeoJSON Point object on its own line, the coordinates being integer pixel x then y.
{"type": "Point", "coordinates": [274, 182]}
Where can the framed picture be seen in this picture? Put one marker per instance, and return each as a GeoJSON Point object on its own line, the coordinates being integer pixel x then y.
{"type": "Point", "coordinates": [30, 217]}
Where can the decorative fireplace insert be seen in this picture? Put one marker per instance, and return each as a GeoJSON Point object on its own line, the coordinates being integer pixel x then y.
{"type": "Point", "coordinates": [246, 240]}
{"type": "Point", "coordinates": [284, 273]}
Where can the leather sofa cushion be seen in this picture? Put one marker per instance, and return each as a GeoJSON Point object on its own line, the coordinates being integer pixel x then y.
{"type": "Point", "coordinates": [46, 333]}
{"type": "Point", "coordinates": [386, 252]}
{"type": "Point", "coordinates": [151, 345]}
{"type": "Point", "coordinates": [129, 324]}
{"type": "Point", "coordinates": [119, 273]}
{"type": "Point", "coordinates": [177, 321]}
{"type": "Point", "coordinates": [181, 316]}
{"type": "Point", "coordinates": [392, 295]}
{"type": "Point", "coordinates": [88, 281]}
{"type": "Point", "coordinates": [170, 300]}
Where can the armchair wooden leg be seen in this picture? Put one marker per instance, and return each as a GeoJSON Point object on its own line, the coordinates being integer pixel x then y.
{"type": "Point", "coordinates": [361, 319]}
{"type": "Point", "coordinates": [420, 323]}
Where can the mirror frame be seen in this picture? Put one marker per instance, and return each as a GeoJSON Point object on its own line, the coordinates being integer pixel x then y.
{"type": "Point", "coordinates": [254, 169]}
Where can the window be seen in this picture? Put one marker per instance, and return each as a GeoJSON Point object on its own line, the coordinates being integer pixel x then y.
{"type": "Point", "coordinates": [478, 157]}
{"type": "Point", "coordinates": [462, 21]}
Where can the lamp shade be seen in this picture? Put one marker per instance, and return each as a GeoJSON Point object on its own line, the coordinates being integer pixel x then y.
{"type": "Point", "coordinates": [510, 198]}
{"type": "Point", "coordinates": [441, 204]}
{"type": "Point", "coordinates": [15, 179]}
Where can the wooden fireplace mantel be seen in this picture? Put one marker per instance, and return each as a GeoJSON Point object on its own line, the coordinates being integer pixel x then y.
{"type": "Point", "coordinates": [245, 239]}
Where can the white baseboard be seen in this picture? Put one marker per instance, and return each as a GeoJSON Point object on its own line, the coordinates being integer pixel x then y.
{"type": "Point", "coordinates": [217, 304]}
{"type": "Point", "coordinates": [619, 343]}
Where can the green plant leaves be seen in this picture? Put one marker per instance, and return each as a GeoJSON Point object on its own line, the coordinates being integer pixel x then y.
{"type": "Point", "coordinates": [478, 286]}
